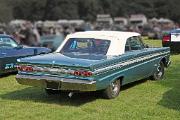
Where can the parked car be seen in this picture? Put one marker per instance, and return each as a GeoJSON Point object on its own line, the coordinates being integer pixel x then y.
{"type": "Point", "coordinates": [94, 61]}
{"type": "Point", "coordinates": [172, 40]}
{"type": "Point", "coordinates": [52, 41]}
{"type": "Point", "coordinates": [10, 51]}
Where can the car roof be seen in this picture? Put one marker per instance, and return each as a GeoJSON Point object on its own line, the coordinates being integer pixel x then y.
{"type": "Point", "coordinates": [118, 39]}
{"type": "Point", "coordinates": [103, 34]}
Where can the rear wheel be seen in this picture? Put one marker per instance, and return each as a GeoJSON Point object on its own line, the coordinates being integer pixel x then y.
{"type": "Point", "coordinates": [159, 74]}
{"type": "Point", "coordinates": [112, 91]}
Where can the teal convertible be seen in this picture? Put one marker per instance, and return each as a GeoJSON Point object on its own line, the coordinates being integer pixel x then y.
{"type": "Point", "coordinates": [94, 61]}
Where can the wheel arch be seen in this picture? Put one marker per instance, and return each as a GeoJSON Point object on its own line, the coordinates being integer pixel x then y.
{"type": "Point", "coordinates": [164, 61]}
{"type": "Point", "coordinates": [121, 78]}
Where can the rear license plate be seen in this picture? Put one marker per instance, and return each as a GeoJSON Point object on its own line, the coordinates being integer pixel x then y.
{"type": "Point", "coordinates": [52, 85]}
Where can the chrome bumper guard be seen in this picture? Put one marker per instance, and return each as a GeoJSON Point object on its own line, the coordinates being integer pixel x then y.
{"type": "Point", "coordinates": [56, 83]}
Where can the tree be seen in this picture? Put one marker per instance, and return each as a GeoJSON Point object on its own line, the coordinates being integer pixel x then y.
{"type": "Point", "coordinates": [5, 12]}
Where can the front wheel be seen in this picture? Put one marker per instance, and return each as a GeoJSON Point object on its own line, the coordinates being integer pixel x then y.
{"type": "Point", "coordinates": [112, 91]}
{"type": "Point", "coordinates": [159, 74]}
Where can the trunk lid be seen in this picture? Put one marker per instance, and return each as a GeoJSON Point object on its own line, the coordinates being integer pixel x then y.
{"type": "Point", "coordinates": [59, 65]}
{"type": "Point", "coordinates": [83, 60]}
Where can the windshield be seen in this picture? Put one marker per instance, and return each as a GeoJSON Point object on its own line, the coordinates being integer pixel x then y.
{"type": "Point", "coordinates": [86, 45]}
{"type": "Point", "coordinates": [6, 42]}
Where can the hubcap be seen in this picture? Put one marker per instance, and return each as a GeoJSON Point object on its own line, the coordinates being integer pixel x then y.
{"type": "Point", "coordinates": [159, 71]}
{"type": "Point", "coordinates": [115, 87]}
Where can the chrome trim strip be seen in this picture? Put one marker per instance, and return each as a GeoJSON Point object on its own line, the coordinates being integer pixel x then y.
{"type": "Point", "coordinates": [128, 62]}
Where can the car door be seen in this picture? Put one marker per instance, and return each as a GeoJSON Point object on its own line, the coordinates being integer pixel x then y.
{"type": "Point", "coordinates": [140, 67]}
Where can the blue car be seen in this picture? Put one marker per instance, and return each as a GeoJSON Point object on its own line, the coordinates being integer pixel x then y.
{"type": "Point", "coordinates": [10, 51]}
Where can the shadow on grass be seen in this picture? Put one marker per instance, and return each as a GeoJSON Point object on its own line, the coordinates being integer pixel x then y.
{"type": "Point", "coordinates": [171, 98]}
{"type": "Point", "coordinates": [130, 85]}
{"type": "Point", "coordinates": [38, 95]}
{"type": "Point", "coordinates": [7, 74]}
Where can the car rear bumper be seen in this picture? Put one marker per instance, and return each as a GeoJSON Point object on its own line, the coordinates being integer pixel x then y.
{"type": "Point", "coordinates": [56, 83]}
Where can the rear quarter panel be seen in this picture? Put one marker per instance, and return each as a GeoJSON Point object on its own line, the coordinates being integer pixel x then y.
{"type": "Point", "coordinates": [131, 66]}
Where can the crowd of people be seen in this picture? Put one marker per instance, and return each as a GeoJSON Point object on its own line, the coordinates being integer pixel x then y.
{"type": "Point", "coordinates": [28, 33]}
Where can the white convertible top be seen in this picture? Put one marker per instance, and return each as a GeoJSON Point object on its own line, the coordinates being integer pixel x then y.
{"type": "Point", "coordinates": [118, 39]}
{"type": "Point", "coordinates": [95, 34]}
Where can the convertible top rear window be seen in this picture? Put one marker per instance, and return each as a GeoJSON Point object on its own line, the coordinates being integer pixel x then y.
{"type": "Point", "coordinates": [86, 45]}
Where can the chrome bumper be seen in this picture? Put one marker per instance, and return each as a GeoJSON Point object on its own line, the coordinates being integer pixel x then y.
{"type": "Point", "coordinates": [56, 83]}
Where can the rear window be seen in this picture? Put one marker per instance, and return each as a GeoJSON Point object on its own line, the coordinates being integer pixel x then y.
{"type": "Point", "coordinates": [86, 45]}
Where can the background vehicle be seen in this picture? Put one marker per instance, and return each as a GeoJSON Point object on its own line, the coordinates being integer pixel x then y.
{"type": "Point", "coordinates": [52, 41]}
{"type": "Point", "coordinates": [10, 51]}
{"type": "Point", "coordinates": [172, 40]}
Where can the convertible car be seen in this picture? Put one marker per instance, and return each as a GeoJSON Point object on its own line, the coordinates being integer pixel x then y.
{"type": "Point", "coordinates": [10, 51]}
{"type": "Point", "coordinates": [94, 61]}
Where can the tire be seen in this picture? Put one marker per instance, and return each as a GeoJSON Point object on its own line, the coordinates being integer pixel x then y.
{"type": "Point", "coordinates": [159, 74]}
{"type": "Point", "coordinates": [51, 92]}
{"type": "Point", "coordinates": [112, 91]}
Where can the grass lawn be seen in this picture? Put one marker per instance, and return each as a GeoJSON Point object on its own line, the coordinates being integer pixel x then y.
{"type": "Point", "coordinates": [151, 100]}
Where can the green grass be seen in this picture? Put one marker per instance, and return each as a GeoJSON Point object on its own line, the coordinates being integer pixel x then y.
{"type": "Point", "coordinates": [152, 42]}
{"type": "Point", "coordinates": [144, 100]}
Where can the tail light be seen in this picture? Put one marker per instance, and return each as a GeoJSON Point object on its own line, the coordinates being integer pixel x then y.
{"type": "Point", "coordinates": [166, 38]}
{"type": "Point", "coordinates": [83, 73]}
{"type": "Point", "coordinates": [25, 68]}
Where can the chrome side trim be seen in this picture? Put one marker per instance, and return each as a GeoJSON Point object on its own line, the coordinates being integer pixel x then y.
{"type": "Point", "coordinates": [128, 62]}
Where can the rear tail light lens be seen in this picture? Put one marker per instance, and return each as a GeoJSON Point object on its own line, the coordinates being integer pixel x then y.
{"type": "Point", "coordinates": [25, 68]}
{"type": "Point", "coordinates": [83, 73]}
{"type": "Point", "coordinates": [166, 38]}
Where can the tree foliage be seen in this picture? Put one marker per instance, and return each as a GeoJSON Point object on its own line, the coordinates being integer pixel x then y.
{"type": "Point", "coordinates": [86, 9]}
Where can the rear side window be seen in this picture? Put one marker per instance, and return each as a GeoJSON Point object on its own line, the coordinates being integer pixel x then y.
{"type": "Point", "coordinates": [134, 43]}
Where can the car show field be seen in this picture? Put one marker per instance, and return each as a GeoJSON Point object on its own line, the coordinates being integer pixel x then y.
{"type": "Point", "coordinates": [145, 99]}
